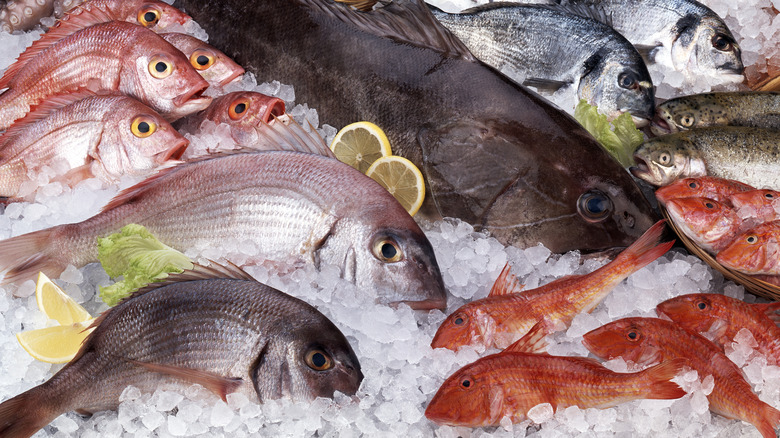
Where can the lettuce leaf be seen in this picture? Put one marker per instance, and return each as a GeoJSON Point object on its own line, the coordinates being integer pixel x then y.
{"type": "Point", "coordinates": [136, 255]}
{"type": "Point", "coordinates": [620, 138]}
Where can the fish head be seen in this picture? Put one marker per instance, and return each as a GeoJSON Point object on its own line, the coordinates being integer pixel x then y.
{"type": "Point", "coordinates": [215, 67]}
{"type": "Point", "coordinates": [711, 187]}
{"type": "Point", "coordinates": [662, 160]}
{"type": "Point", "coordinates": [306, 361]}
{"type": "Point", "coordinates": [244, 109]}
{"type": "Point", "coordinates": [633, 339]}
{"type": "Point", "coordinates": [478, 171]}
{"type": "Point", "coordinates": [462, 327]}
{"type": "Point", "coordinates": [706, 221]}
{"type": "Point", "coordinates": [162, 77]}
{"type": "Point", "coordinates": [759, 204]}
{"type": "Point", "coordinates": [688, 112]}
{"type": "Point", "coordinates": [705, 46]}
{"type": "Point", "coordinates": [152, 14]}
{"type": "Point", "coordinates": [753, 252]}
{"type": "Point", "coordinates": [469, 397]}
{"type": "Point", "coordinates": [617, 85]}
{"type": "Point", "coordinates": [694, 312]}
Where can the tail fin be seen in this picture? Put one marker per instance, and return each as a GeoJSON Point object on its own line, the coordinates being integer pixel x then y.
{"type": "Point", "coordinates": [22, 257]}
{"type": "Point", "coordinates": [660, 375]}
{"type": "Point", "coordinates": [642, 252]}
{"type": "Point", "coordinates": [25, 414]}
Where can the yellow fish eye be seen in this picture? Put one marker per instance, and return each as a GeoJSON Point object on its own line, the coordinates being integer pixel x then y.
{"type": "Point", "coordinates": [238, 108]}
{"type": "Point", "coordinates": [202, 59]}
{"type": "Point", "coordinates": [160, 67]}
{"type": "Point", "coordinates": [687, 120]}
{"type": "Point", "coordinates": [387, 250]}
{"type": "Point", "coordinates": [318, 360]}
{"type": "Point", "coordinates": [148, 16]}
{"type": "Point", "coordinates": [143, 126]}
{"type": "Point", "coordinates": [752, 239]}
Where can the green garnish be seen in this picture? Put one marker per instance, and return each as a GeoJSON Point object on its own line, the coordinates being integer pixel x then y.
{"type": "Point", "coordinates": [620, 138]}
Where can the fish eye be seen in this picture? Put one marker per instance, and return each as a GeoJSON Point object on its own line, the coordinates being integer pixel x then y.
{"type": "Point", "coordinates": [202, 59]}
{"type": "Point", "coordinates": [722, 43]}
{"type": "Point", "coordinates": [769, 195]}
{"type": "Point", "coordinates": [709, 205]}
{"type": "Point", "coordinates": [633, 336]}
{"type": "Point", "coordinates": [701, 305]}
{"type": "Point", "coordinates": [238, 108]}
{"type": "Point", "coordinates": [664, 158]}
{"type": "Point", "coordinates": [160, 67]}
{"type": "Point", "coordinates": [143, 126]}
{"type": "Point", "coordinates": [460, 319]}
{"type": "Point", "coordinates": [628, 81]}
{"type": "Point", "coordinates": [467, 383]}
{"type": "Point", "coordinates": [751, 239]}
{"type": "Point", "coordinates": [148, 16]}
{"type": "Point", "coordinates": [687, 120]}
{"type": "Point", "coordinates": [318, 360]}
{"type": "Point", "coordinates": [594, 206]}
{"type": "Point", "coordinates": [387, 250]}
{"type": "Point", "coordinates": [693, 184]}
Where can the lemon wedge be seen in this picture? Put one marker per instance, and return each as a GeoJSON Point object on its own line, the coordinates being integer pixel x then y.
{"type": "Point", "coordinates": [56, 304]}
{"type": "Point", "coordinates": [402, 179]}
{"type": "Point", "coordinates": [58, 344]}
{"type": "Point", "coordinates": [360, 144]}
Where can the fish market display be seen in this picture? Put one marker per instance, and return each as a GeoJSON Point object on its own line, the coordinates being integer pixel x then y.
{"type": "Point", "coordinates": [294, 208]}
{"type": "Point", "coordinates": [512, 382]}
{"type": "Point", "coordinates": [111, 55]}
{"type": "Point", "coordinates": [755, 108]}
{"type": "Point", "coordinates": [213, 65]}
{"type": "Point", "coordinates": [756, 251]}
{"type": "Point", "coordinates": [683, 34]}
{"type": "Point", "coordinates": [648, 340]}
{"type": "Point", "coordinates": [508, 313]}
{"type": "Point", "coordinates": [707, 222]}
{"type": "Point", "coordinates": [724, 317]}
{"type": "Point", "coordinates": [228, 334]}
{"type": "Point", "coordinates": [749, 155]}
{"type": "Point", "coordinates": [106, 135]}
{"type": "Point", "coordinates": [719, 189]}
{"type": "Point", "coordinates": [492, 153]}
{"type": "Point", "coordinates": [551, 49]}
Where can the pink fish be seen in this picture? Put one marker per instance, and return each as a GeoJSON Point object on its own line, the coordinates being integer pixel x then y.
{"type": "Point", "coordinates": [709, 223]}
{"type": "Point", "coordinates": [756, 251]}
{"type": "Point", "coordinates": [757, 206]}
{"type": "Point", "coordinates": [711, 187]}
{"type": "Point", "coordinates": [215, 67]}
{"type": "Point", "coordinates": [153, 14]}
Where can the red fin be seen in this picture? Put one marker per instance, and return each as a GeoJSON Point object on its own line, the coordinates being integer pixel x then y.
{"type": "Point", "coordinates": [660, 375]}
{"type": "Point", "coordinates": [644, 250]}
{"type": "Point", "coordinates": [22, 257]}
{"type": "Point", "coordinates": [26, 414]}
{"type": "Point", "coordinates": [770, 310]}
{"type": "Point", "coordinates": [769, 421]}
{"type": "Point", "coordinates": [56, 33]}
{"type": "Point", "coordinates": [222, 386]}
{"type": "Point", "coordinates": [44, 109]}
{"type": "Point", "coordinates": [534, 341]}
{"type": "Point", "coordinates": [506, 283]}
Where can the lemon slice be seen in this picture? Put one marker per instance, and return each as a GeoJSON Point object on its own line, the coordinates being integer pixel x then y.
{"type": "Point", "coordinates": [56, 304]}
{"type": "Point", "coordinates": [402, 179]}
{"type": "Point", "coordinates": [58, 344]}
{"type": "Point", "coordinates": [360, 144]}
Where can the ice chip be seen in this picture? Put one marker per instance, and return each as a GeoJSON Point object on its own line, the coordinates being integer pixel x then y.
{"type": "Point", "coordinates": [541, 413]}
{"type": "Point", "coordinates": [221, 415]}
{"type": "Point", "coordinates": [176, 426]}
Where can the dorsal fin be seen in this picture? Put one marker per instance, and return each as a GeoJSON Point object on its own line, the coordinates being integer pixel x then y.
{"type": "Point", "coordinates": [360, 5]}
{"type": "Point", "coordinates": [285, 134]}
{"type": "Point", "coordinates": [56, 33]}
{"type": "Point", "coordinates": [770, 310]}
{"type": "Point", "coordinates": [409, 21]}
{"type": "Point", "coordinates": [506, 283]}
{"type": "Point", "coordinates": [534, 341]}
{"type": "Point", "coordinates": [590, 11]}
{"type": "Point", "coordinates": [198, 272]}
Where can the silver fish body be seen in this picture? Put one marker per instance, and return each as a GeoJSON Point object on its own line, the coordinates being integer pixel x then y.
{"type": "Point", "coordinates": [684, 34]}
{"type": "Point", "coordinates": [748, 155]}
{"type": "Point", "coordinates": [541, 44]}
{"type": "Point", "coordinates": [296, 208]}
{"type": "Point", "coordinates": [228, 334]}
{"type": "Point", "coordinates": [754, 108]}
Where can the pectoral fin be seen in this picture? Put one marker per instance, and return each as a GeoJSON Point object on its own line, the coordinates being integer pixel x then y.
{"type": "Point", "coordinates": [547, 86]}
{"type": "Point", "coordinates": [220, 385]}
{"type": "Point", "coordinates": [646, 52]}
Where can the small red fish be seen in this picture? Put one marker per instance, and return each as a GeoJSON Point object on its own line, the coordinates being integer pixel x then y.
{"type": "Point", "coordinates": [757, 206]}
{"type": "Point", "coordinates": [709, 223]}
{"type": "Point", "coordinates": [723, 317]}
{"type": "Point", "coordinates": [507, 313]}
{"type": "Point", "coordinates": [113, 56]}
{"type": "Point", "coordinates": [711, 187]}
{"type": "Point", "coordinates": [510, 383]}
{"type": "Point", "coordinates": [650, 340]}
{"type": "Point", "coordinates": [215, 67]}
{"type": "Point", "coordinates": [153, 14]}
{"type": "Point", "coordinates": [756, 251]}
{"type": "Point", "coordinates": [243, 111]}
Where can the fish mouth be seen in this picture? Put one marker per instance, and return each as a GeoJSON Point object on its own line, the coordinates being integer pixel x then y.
{"type": "Point", "coordinates": [641, 170]}
{"type": "Point", "coordinates": [640, 121]}
{"type": "Point", "coordinates": [194, 96]}
{"type": "Point", "coordinates": [232, 78]}
{"type": "Point", "coordinates": [176, 151]}
{"type": "Point", "coordinates": [429, 304]}
{"type": "Point", "coordinates": [660, 127]}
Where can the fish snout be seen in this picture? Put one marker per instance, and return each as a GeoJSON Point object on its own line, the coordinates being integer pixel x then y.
{"type": "Point", "coordinates": [660, 126]}
{"type": "Point", "coordinates": [175, 152]}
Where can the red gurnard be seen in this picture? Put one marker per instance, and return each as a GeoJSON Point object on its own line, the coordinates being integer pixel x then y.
{"type": "Point", "coordinates": [709, 223]}
{"type": "Point", "coordinates": [508, 313]}
{"type": "Point", "coordinates": [756, 251]}
{"type": "Point", "coordinates": [722, 317]}
{"type": "Point", "coordinates": [757, 206]}
{"type": "Point", "coordinates": [649, 340]}
{"type": "Point", "coordinates": [711, 187]}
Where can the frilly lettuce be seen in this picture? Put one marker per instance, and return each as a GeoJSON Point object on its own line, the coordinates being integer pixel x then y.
{"type": "Point", "coordinates": [620, 142]}
{"type": "Point", "coordinates": [136, 255]}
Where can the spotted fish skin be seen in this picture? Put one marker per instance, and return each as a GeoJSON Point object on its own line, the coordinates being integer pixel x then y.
{"type": "Point", "coordinates": [759, 109]}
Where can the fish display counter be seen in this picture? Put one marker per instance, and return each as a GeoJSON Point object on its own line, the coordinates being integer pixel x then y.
{"type": "Point", "coordinates": [399, 372]}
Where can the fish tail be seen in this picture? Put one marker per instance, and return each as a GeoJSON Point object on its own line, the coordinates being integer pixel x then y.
{"type": "Point", "coordinates": [768, 421]}
{"type": "Point", "coordinates": [22, 257]}
{"type": "Point", "coordinates": [660, 375]}
{"type": "Point", "coordinates": [642, 252]}
{"type": "Point", "coordinates": [25, 414]}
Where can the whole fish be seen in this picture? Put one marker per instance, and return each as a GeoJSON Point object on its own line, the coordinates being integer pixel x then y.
{"type": "Point", "coordinates": [649, 340]}
{"type": "Point", "coordinates": [759, 109]}
{"type": "Point", "coordinates": [750, 155]}
{"type": "Point", "coordinates": [723, 317]}
{"type": "Point", "coordinates": [106, 136]}
{"type": "Point", "coordinates": [112, 55]}
{"type": "Point", "coordinates": [683, 34]}
{"type": "Point", "coordinates": [710, 224]}
{"type": "Point", "coordinates": [227, 334]}
{"type": "Point", "coordinates": [492, 153]}
{"type": "Point", "coordinates": [550, 49]}
{"type": "Point", "coordinates": [510, 383]}
{"type": "Point", "coordinates": [757, 206]}
{"type": "Point", "coordinates": [509, 313]}
{"type": "Point", "coordinates": [755, 251]}
{"type": "Point", "coordinates": [296, 208]}
{"type": "Point", "coordinates": [213, 65]}
{"type": "Point", "coordinates": [719, 189]}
